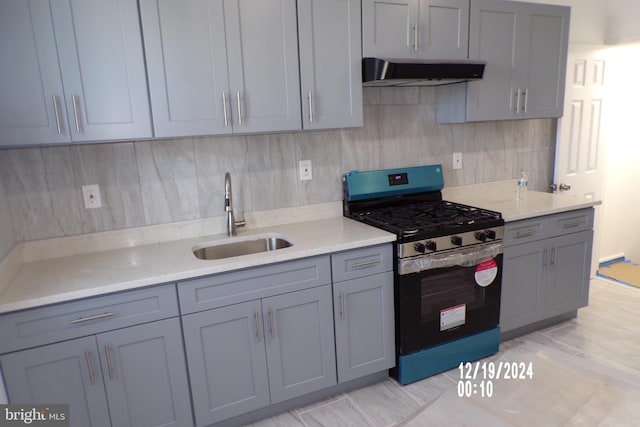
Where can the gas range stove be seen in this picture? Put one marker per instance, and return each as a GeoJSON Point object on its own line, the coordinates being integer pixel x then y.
{"type": "Point", "coordinates": [408, 202]}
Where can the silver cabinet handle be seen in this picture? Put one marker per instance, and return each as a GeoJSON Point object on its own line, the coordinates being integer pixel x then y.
{"type": "Point", "coordinates": [107, 352]}
{"type": "Point", "coordinates": [258, 334]}
{"type": "Point", "coordinates": [571, 224]}
{"type": "Point", "coordinates": [224, 109]}
{"type": "Point", "coordinates": [90, 318]}
{"type": "Point", "coordinates": [518, 94]}
{"type": "Point", "coordinates": [239, 109]}
{"type": "Point", "coordinates": [310, 107]}
{"type": "Point", "coordinates": [342, 313]}
{"type": "Point", "coordinates": [526, 100]}
{"type": "Point", "coordinates": [553, 257]}
{"type": "Point", "coordinates": [271, 323]}
{"type": "Point", "coordinates": [525, 233]}
{"type": "Point", "coordinates": [92, 377]}
{"type": "Point", "coordinates": [365, 263]}
{"type": "Point", "coordinates": [57, 114]}
{"type": "Point", "coordinates": [74, 101]}
{"type": "Point", "coordinates": [415, 37]}
{"type": "Point", "coordinates": [544, 258]}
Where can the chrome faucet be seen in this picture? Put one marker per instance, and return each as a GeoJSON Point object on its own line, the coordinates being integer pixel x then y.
{"type": "Point", "coordinates": [228, 207]}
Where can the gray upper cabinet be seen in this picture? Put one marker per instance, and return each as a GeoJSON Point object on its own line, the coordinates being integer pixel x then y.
{"type": "Point", "coordinates": [73, 70]}
{"type": "Point", "coordinates": [330, 63]}
{"type": "Point", "coordinates": [422, 29]}
{"type": "Point", "coordinates": [31, 104]}
{"type": "Point", "coordinates": [186, 50]}
{"type": "Point", "coordinates": [525, 48]}
{"type": "Point", "coordinates": [222, 66]}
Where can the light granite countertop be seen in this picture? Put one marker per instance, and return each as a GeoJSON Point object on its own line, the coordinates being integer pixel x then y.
{"type": "Point", "coordinates": [501, 197]}
{"type": "Point", "coordinates": [38, 281]}
{"type": "Point", "coordinates": [57, 270]}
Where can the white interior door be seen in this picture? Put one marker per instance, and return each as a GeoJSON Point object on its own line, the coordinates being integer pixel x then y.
{"type": "Point", "coordinates": [579, 167]}
{"type": "Point", "coordinates": [579, 163]}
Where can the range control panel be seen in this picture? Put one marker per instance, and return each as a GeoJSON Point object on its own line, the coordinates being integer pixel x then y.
{"type": "Point", "coordinates": [444, 243]}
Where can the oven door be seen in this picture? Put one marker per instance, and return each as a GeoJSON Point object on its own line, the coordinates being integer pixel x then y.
{"type": "Point", "coordinates": [457, 295]}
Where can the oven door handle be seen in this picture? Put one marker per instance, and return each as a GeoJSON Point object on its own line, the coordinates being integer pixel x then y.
{"type": "Point", "coordinates": [464, 257]}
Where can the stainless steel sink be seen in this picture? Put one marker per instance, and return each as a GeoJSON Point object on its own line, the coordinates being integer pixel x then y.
{"type": "Point", "coordinates": [228, 249]}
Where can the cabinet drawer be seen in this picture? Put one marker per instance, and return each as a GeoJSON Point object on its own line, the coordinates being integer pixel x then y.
{"type": "Point", "coordinates": [60, 322]}
{"type": "Point", "coordinates": [361, 262]}
{"type": "Point", "coordinates": [528, 230]}
{"type": "Point", "coordinates": [253, 283]}
{"type": "Point", "coordinates": [571, 222]}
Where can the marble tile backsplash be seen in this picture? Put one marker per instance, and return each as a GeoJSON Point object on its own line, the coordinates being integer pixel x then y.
{"type": "Point", "coordinates": [154, 182]}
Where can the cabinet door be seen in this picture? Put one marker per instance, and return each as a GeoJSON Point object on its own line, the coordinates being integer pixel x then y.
{"type": "Point", "coordinates": [100, 50]}
{"type": "Point", "coordinates": [388, 28]}
{"type": "Point", "coordinates": [185, 46]}
{"type": "Point", "coordinates": [570, 263]}
{"type": "Point", "coordinates": [32, 109]}
{"type": "Point", "coordinates": [145, 375]}
{"type": "Point", "coordinates": [264, 76]}
{"type": "Point", "coordinates": [443, 29]}
{"type": "Point", "coordinates": [364, 323]}
{"type": "Point", "coordinates": [300, 342]}
{"type": "Point", "coordinates": [523, 278]}
{"type": "Point", "coordinates": [330, 34]}
{"type": "Point", "coordinates": [493, 29]}
{"type": "Point", "coordinates": [227, 361]}
{"type": "Point", "coordinates": [546, 44]}
{"type": "Point", "coordinates": [65, 373]}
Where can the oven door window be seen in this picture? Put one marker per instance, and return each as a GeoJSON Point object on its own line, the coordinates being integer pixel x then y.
{"type": "Point", "coordinates": [444, 304]}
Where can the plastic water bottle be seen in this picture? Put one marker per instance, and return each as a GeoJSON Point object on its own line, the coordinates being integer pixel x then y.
{"type": "Point", "coordinates": [523, 183]}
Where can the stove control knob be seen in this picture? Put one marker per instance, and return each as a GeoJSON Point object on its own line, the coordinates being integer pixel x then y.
{"type": "Point", "coordinates": [456, 240]}
{"type": "Point", "coordinates": [419, 247]}
{"type": "Point", "coordinates": [490, 234]}
{"type": "Point", "coordinates": [431, 245]}
{"type": "Point", "coordinates": [481, 236]}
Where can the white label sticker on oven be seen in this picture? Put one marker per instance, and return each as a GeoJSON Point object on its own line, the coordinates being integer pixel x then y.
{"type": "Point", "coordinates": [486, 272]}
{"type": "Point", "coordinates": [453, 316]}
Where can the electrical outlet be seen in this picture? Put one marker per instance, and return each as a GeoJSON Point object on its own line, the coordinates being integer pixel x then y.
{"type": "Point", "coordinates": [457, 160]}
{"type": "Point", "coordinates": [305, 170]}
{"type": "Point", "coordinates": [91, 196]}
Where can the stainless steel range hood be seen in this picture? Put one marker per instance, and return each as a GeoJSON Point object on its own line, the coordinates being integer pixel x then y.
{"type": "Point", "coordinates": [382, 72]}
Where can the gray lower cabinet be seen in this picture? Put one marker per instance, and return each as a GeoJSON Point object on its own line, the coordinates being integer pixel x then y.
{"type": "Point", "coordinates": [227, 361]}
{"type": "Point", "coordinates": [363, 310]}
{"type": "Point", "coordinates": [134, 376]}
{"type": "Point", "coordinates": [546, 269]}
{"type": "Point", "coordinates": [72, 70]}
{"type": "Point", "coordinates": [249, 355]}
{"type": "Point", "coordinates": [63, 373]}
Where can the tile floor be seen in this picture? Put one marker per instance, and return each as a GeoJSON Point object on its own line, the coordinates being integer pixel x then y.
{"type": "Point", "coordinates": [585, 372]}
